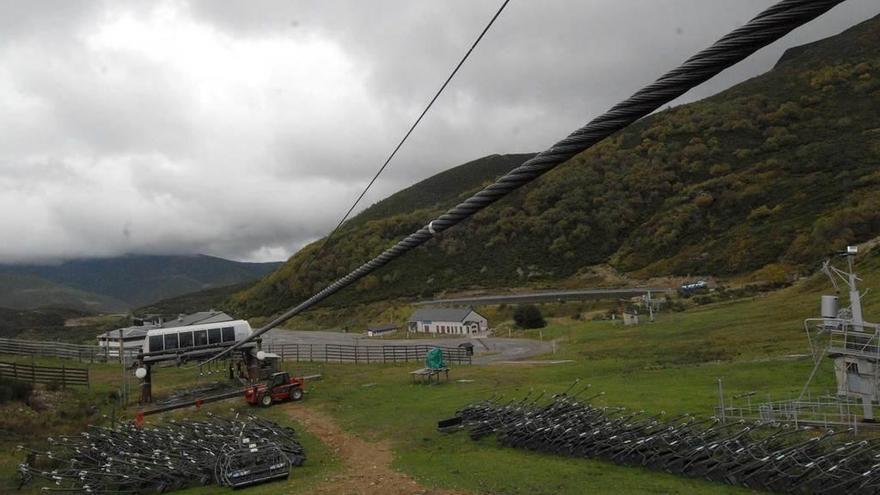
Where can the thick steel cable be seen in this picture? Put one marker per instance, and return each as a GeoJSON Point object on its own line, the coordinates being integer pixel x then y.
{"type": "Point", "coordinates": [767, 27]}
{"type": "Point", "coordinates": [316, 253]}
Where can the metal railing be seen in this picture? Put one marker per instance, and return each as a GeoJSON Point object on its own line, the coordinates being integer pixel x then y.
{"type": "Point", "coordinates": [827, 411]}
{"type": "Point", "coordinates": [367, 354]}
{"type": "Point", "coordinates": [846, 338]}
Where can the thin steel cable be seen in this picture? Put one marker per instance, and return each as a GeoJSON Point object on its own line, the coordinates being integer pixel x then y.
{"type": "Point", "coordinates": [316, 253]}
{"type": "Point", "coordinates": [765, 28]}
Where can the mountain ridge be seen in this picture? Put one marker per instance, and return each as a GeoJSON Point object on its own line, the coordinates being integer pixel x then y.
{"type": "Point", "coordinates": [119, 283]}
{"type": "Point", "coordinates": [759, 180]}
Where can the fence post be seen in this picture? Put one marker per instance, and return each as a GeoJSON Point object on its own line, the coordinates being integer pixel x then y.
{"type": "Point", "coordinates": [14, 371]}
{"type": "Point", "coordinates": [282, 352]}
{"type": "Point", "coordinates": [63, 377]}
{"type": "Point", "coordinates": [297, 353]}
{"type": "Point", "coordinates": [33, 371]}
{"type": "Point", "coordinates": [310, 352]}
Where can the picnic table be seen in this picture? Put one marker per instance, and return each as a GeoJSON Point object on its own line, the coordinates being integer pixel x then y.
{"type": "Point", "coordinates": [426, 375]}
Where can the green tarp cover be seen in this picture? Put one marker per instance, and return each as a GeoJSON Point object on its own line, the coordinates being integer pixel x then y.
{"type": "Point", "coordinates": [434, 359]}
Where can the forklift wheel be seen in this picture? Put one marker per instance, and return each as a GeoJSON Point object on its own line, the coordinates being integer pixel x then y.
{"type": "Point", "coordinates": [296, 394]}
{"type": "Point", "coordinates": [266, 400]}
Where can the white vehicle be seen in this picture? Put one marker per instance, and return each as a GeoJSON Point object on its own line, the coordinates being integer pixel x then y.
{"type": "Point", "coordinates": [194, 340]}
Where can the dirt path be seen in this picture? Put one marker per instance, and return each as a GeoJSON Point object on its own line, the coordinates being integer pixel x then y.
{"type": "Point", "coordinates": [366, 465]}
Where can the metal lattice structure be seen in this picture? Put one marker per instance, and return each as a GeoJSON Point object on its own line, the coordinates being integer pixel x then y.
{"type": "Point", "coordinates": [759, 455]}
{"type": "Point", "coordinates": [847, 339]}
{"type": "Point", "coordinates": [233, 452]}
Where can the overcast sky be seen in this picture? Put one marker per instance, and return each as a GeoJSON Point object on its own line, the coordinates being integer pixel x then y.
{"type": "Point", "coordinates": [245, 129]}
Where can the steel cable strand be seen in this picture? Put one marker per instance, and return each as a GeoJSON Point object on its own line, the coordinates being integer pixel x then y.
{"type": "Point", "coordinates": [767, 27]}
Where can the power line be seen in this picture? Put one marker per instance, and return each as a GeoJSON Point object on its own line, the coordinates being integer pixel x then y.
{"type": "Point", "coordinates": [767, 27]}
{"type": "Point", "coordinates": [316, 253]}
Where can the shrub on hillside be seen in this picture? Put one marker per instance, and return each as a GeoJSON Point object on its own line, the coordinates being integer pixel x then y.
{"type": "Point", "coordinates": [14, 390]}
{"type": "Point", "coordinates": [529, 316]}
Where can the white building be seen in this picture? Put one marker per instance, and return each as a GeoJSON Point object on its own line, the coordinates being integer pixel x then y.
{"type": "Point", "coordinates": [132, 340]}
{"type": "Point", "coordinates": [380, 330]}
{"type": "Point", "coordinates": [451, 321]}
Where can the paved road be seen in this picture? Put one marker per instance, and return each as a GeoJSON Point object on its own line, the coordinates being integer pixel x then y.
{"type": "Point", "coordinates": [486, 350]}
{"type": "Point", "coordinates": [561, 295]}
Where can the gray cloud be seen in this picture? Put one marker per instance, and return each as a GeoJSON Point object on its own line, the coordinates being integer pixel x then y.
{"type": "Point", "coordinates": [244, 129]}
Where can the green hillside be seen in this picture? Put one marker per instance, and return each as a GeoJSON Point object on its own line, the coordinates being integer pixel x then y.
{"type": "Point", "coordinates": [764, 178]}
{"type": "Point", "coordinates": [193, 302]}
{"type": "Point", "coordinates": [22, 291]}
{"type": "Point", "coordinates": [120, 283]}
{"type": "Point", "coordinates": [67, 325]}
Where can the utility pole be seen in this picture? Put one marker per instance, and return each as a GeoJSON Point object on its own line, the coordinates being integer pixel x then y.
{"type": "Point", "coordinates": [122, 396]}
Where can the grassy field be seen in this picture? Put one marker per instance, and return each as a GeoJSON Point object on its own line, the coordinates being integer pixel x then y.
{"type": "Point", "coordinates": [672, 365]}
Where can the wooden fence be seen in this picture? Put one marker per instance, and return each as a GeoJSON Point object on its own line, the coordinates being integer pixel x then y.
{"type": "Point", "coordinates": [62, 376]}
{"type": "Point", "coordinates": [341, 353]}
{"type": "Point", "coordinates": [81, 352]}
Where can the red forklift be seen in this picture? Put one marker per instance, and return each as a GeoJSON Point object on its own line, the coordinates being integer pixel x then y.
{"type": "Point", "coordinates": [278, 387]}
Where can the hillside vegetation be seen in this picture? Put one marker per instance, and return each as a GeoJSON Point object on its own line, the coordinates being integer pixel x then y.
{"type": "Point", "coordinates": [121, 283]}
{"type": "Point", "coordinates": [193, 302]}
{"type": "Point", "coordinates": [23, 291]}
{"type": "Point", "coordinates": [762, 179]}
{"type": "Point", "coordinates": [62, 324]}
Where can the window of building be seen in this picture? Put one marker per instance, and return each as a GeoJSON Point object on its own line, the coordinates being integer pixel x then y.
{"type": "Point", "coordinates": [171, 341]}
{"type": "Point", "coordinates": [156, 343]}
{"type": "Point", "coordinates": [228, 334]}
{"type": "Point", "coordinates": [214, 336]}
{"type": "Point", "coordinates": [200, 337]}
{"type": "Point", "coordinates": [186, 339]}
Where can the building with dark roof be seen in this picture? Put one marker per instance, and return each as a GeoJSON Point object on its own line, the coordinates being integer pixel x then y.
{"type": "Point", "coordinates": [454, 321]}
{"type": "Point", "coordinates": [200, 318]}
